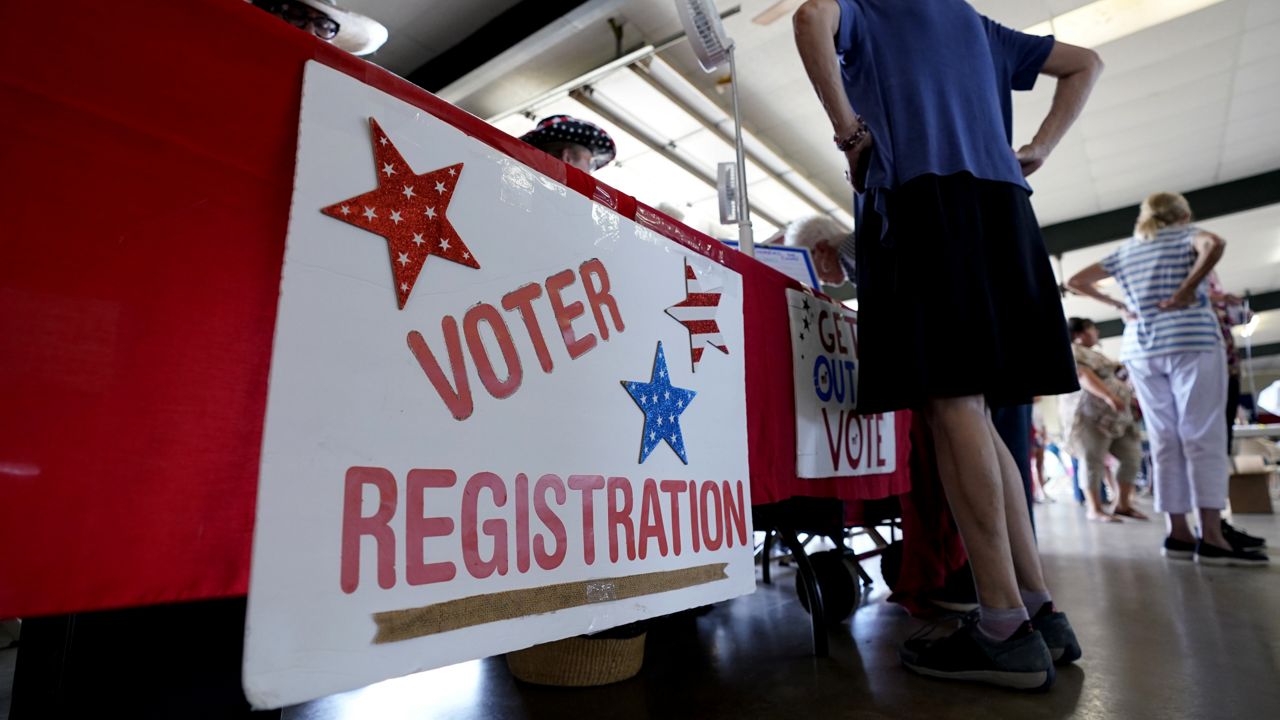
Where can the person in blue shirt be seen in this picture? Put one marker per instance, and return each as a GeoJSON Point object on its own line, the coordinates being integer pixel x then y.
{"type": "Point", "coordinates": [959, 309]}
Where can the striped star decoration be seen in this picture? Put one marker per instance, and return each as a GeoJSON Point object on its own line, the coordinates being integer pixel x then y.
{"type": "Point", "coordinates": [698, 314]}
{"type": "Point", "coordinates": [408, 210]}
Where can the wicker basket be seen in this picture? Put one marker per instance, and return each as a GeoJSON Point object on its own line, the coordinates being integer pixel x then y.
{"type": "Point", "coordinates": [579, 661]}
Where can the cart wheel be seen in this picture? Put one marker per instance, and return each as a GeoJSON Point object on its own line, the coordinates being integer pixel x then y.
{"type": "Point", "coordinates": [838, 583]}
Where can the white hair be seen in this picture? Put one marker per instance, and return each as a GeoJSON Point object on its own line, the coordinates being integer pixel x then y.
{"type": "Point", "coordinates": [810, 231]}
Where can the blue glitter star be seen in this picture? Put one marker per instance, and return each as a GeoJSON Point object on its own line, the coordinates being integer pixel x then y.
{"type": "Point", "coordinates": [662, 404]}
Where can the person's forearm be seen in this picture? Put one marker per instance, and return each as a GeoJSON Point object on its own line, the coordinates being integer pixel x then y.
{"type": "Point", "coordinates": [1068, 100]}
{"type": "Point", "coordinates": [1091, 290]}
{"type": "Point", "coordinates": [1203, 266]}
{"type": "Point", "coordinates": [1091, 383]}
{"type": "Point", "coordinates": [815, 24]}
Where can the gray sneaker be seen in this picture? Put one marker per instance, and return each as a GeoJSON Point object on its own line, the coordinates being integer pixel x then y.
{"type": "Point", "coordinates": [1022, 661]}
{"type": "Point", "coordinates": [1058, 635]}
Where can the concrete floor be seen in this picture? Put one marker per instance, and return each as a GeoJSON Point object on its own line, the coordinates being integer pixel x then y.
{"type": "Point", "coordinates": [1161, 640]}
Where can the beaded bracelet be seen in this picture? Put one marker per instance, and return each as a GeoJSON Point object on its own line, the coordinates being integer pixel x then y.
{"type": "Point", "coordinates": [854, 138]}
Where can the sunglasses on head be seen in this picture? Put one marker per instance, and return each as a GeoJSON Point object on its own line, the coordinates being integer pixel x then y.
{"type": "Point", "coordinates": [302, 16]}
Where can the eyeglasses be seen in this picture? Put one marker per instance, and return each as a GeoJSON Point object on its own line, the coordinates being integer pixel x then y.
{"type": "Point", "coordinates": [302, 16]}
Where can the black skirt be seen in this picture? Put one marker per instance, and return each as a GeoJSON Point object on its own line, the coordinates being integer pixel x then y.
{"type": "Point", "coordinates": [956, 297]}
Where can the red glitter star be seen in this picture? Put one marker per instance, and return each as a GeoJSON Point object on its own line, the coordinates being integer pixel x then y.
{"type": "Point", "coordinates": [409, 211]}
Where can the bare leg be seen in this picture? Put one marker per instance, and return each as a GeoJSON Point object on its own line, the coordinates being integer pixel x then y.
{"type": "Point", "coordinates": [1179, 529]}
{"type": "Point", "coordinates": [1128, 450]}
{"type": "Point", "coordinates": [1094, 501]}
{"type": "Point", "coordinates": [1022, 541]}
{"type": "Point", "coordinates": [1124, 498]}
{"type": "Point", "coordinates": [970, 471]}
{"type": "Point", "coordinates": [1037, 477]}
{"type": "Point", "coordinates": [1109, 479]}
{"type": "Point", "coordinates": [1211, 528]}
{"type": "Point", "coordinates": [1093, 467]}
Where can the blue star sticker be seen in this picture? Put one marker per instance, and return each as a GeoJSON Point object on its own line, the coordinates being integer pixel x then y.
{"type": "Point", "coordinates": [662, 404]}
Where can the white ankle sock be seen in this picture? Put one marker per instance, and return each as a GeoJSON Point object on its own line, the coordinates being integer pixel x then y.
{"type": "Point", "coordinates": [999, 623]}
{"type": "Point", "coordinates": [1033, 600]}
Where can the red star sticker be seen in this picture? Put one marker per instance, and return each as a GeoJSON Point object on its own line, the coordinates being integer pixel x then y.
{"type": "Point", "coordinates": [409, 211]}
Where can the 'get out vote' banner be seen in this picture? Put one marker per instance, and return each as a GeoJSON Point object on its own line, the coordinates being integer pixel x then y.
{"type": "Point", "coordinates": [499, 413]}
{"type": "Point", "coordinates": [832, 440]}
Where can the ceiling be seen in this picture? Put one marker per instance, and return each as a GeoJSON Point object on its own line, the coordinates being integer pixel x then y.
{"type": "Point", "coordinates": [1186, 104]}
{"type": "Point", "coordinates": [421, 30]}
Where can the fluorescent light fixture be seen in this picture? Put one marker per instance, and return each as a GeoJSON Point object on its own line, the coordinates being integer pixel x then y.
{"type": "Point", "coordinates": [563, 89]}
{"type": "Point", "coordinates": [670, 139]}
{"type": "Point", "coordinates": [1106, 20]}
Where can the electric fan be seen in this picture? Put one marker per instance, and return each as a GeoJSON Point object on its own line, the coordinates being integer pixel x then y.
{"type": "Point", "coordinates": [714, 48]}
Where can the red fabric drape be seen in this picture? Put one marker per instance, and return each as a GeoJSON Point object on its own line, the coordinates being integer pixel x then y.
{"type": "Point", "coordinates": [931, 545]}
{"type": "Point", "coordinates": [148, 152]}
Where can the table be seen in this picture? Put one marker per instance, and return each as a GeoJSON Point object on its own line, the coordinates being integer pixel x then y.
{"type": "Point", "coordinates": [149, 179]}
{"type": "Point", "coordinates": [1271, 430]}
{"type": "Point", "coordinates": [149, 156]}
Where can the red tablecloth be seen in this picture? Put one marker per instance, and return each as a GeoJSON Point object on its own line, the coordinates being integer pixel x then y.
{"type": "Point", "coordinates": [148, 152]}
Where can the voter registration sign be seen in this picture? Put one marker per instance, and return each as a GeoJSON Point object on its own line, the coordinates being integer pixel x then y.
{"type": "Point", "coordinates": [491, 421]}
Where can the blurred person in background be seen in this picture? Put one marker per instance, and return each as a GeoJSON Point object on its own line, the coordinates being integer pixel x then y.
{"type": "Point", "coordinates": [579, 143]}
{"type": "Point", "coordinates": [1098, 422]}
{"type": "Point", "coordinates": [1230, 311]}
{"type": "Point", "coordinates": [1174, 352]}
{"type": "Point", "coordinates": [1039, 439]}
{"type": "Point", "coordinates": [823, 237]}
{"type": "Point", "coordinates": [357, 34]}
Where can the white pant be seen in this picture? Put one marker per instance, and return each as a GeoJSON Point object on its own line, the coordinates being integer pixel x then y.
{"type": "Point", "coordinates": [1182, 397]}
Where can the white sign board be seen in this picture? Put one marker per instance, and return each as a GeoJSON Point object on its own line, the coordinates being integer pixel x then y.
{"type": "Point", "coordinates": [484, 427]}
{"type": "Point", "coordinates": [790, 260]}
{"type": "Point", "coordinates": [832, 440]}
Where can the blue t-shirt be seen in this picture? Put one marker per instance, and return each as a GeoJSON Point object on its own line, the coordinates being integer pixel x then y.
{"type": "Point", "coordinates": [933, 81]}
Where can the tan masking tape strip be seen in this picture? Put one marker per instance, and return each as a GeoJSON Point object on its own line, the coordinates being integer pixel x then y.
{"type": "Point", "coordinates": [397, 625]}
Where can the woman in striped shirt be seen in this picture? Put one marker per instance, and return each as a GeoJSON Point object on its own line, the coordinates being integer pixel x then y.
{"type": "Point", "coordinates": [1174, 352]}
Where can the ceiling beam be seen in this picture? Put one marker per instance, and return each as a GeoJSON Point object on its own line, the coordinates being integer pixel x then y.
{"type": "Point", "coordinates": [1262, 302]}
{"type": "Point", "coordinates": [1207, 202]}
{"type": "Point", "coordinates": [496, 36]}
{"type": "Point", "coordinates": [1258, 302]}
{"type": "Point", "coordinates": [1110, 328]}
{"type": "Point", "coordinates": [1261, 350]}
